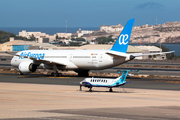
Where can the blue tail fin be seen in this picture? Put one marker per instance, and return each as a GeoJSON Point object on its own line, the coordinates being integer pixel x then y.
{"type": "Point", "coordinates": [122, 78]}
{"type": "Point", "coordinates": [122, 42]}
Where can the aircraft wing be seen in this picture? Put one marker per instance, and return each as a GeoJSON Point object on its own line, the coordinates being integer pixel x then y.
{"type": "Point", "coordinates": [153, 53]}
{"type": "Point", "coordinates": [10, 53]}
{"type": "Point", "coordinates": [52, 62]}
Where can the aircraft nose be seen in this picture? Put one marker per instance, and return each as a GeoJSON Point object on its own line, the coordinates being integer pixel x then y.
{"type": "Point", "coordinates": [13, 62]}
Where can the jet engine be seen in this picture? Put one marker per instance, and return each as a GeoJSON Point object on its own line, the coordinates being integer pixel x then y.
{"type": "Point", "coordinates": [27, 67]}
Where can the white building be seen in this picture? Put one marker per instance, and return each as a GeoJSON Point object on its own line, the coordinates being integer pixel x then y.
{"type": "Point", "coordinates": [82, 32]}
{"type": "Point", "coordinates": [65, 35]}
{"type": "Point", "coordinates": [40, 36]}
{"type": "Point", "coordinates": [30, 34]}
{"type": "Point", "coordinates": [111, 28]}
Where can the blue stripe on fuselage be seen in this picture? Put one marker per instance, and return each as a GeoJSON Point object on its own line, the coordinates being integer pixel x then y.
{"type": "Point", "coordinates": [88, 84]}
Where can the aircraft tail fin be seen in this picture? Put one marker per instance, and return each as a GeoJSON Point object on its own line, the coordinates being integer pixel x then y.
{"type": "Point", "coordinates": [122, 42]}
{"type": "Point", "coordinates": [122, 78]}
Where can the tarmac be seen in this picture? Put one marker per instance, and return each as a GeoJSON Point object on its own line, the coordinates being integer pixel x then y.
{"type": "Point", "coordinates": [32, 97]}
{"type": "Point", "coordinates": [143, 71]}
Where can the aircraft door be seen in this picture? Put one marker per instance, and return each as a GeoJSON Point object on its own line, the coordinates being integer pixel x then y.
{"type": "Point", "coordinates": [100, 58]}
{"type": "Point", "coordinates": [70, 57]}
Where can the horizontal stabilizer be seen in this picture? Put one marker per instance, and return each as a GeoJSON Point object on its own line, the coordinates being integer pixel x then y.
{"type": "Point", "coordinates": [119, 54]}
{"type": "Point", "coordinates": [153, 53]}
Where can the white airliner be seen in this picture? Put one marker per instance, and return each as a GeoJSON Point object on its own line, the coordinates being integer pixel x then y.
{"type": "Point", "coordinates": [81, 61]}
{"type": "Point", "coordinates": [104, 82]}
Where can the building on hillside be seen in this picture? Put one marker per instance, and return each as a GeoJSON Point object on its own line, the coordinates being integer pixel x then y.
{"type": "Point", "coordinates": [42, 46]}
{"type": "Point", "coordinates": [30, 34]}
{"type": "Point", "coordinates": [16, 45]}
{"type": "Point", "coordinates": [64, 35]}
{"type": "Point", "coordinates": [111, 28]}
{"type": "Point", "coordinates": [43, 40]}
{"type": "Point", "coordinates": [83, 32]}
{"type": "Point", "coordinates": [38, 35]}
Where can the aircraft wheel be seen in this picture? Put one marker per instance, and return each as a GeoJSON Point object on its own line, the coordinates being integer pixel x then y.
{"type": "Point", "coordinates": [90, 90]}
{"type": "Point", "coordinates": [20, 73]}
{"type": "Point", "coordinates": [83, 74]}
{"type": "Point", "coordinates": [110, 90]}
{"type": "Point", "coordinates": [52, 74]}
{"type": "Point", "coordinates": [55, 74]}
{"type": "Point", "coordinates": [80, 88]}
{"type": "Point", "coordinates": [60, 74]}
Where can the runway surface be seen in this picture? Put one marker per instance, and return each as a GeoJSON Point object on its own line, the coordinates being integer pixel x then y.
{"type": "Point", "coordinates": [142, 71]}
{"type": "Point", "coordinates": [143, 83]}
{"type": "Point", "coordinates": [42, 97]}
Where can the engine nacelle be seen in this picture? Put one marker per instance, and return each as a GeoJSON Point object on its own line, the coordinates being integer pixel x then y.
{"type": "Point", "coordinates": [27, 67]}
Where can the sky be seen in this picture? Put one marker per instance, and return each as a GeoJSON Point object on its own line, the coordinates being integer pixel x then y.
{"type": "Point", "coordinates": [86, 13]}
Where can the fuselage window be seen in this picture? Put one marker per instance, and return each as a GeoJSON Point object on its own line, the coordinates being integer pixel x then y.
{"type": "Point", "coordinates": [55, 56]}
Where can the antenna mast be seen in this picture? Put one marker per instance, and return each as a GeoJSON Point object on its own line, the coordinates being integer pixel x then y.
{"type": "Point", "coordinates": [66, 25]}
{"type": "Point", "coordinates": [156, 20]}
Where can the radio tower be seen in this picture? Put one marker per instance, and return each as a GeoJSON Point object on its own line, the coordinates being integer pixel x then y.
{"type": "Point", "coordinates": [156, 20]}
{"type": "Point", "coordinates": [66, 25]}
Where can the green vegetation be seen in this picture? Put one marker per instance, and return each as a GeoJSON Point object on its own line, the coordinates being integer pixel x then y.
{"type": "Point", "coordinates": [74, 44]}
{"type": "Point", "coordinates": [78, 39]}
{"type": "Point", "coordinates": [4, 37]}
{"type": "Point", "coordinates": [104, 40]}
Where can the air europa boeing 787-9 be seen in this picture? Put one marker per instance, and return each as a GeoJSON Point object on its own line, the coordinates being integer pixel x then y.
{"type": "Point", "coordinates": [81, 61]}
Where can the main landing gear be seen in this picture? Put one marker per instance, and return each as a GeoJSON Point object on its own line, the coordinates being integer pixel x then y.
{"type": "Point", "coordinates": [55, 73]}
{"type": "Point", "coordinates": [80, 88]}
{"type": "Point", "coordinates": [83, 73]}
{"type": "Point", "coordinates": [110, 90]}
{"type": "Point", "coordinates": [20, 73]}
{"type": "Point", "coordinates": [90, 89]}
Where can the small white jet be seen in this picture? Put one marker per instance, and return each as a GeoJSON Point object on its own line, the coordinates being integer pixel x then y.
{"type": "Point", "coordinates": [81, 61]}
{"type": "Point", "coordinates": [104, 82]}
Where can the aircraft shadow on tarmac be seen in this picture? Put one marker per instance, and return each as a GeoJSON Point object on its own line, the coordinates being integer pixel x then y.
{"type": "Point", "coordinates": [109, 92]}
{"type": "Point", "coordinates": [121, 90]}
{"type": "Point", "coordinates": [42, 75]}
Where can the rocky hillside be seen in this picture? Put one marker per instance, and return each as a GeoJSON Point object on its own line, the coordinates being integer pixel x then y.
{"type": "Point", "coordinates": [164, 33]}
